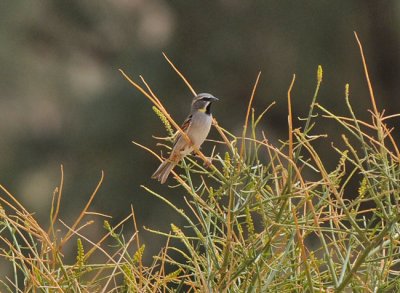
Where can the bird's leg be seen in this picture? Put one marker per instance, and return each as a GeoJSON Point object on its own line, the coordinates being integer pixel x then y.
{"type": "Point", "coordinates": [208, 162]}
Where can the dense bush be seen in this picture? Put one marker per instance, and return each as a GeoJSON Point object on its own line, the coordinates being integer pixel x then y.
{"type": "Point", "coordinates": [257, 221]}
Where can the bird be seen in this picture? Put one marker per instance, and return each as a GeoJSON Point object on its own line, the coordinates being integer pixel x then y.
{"type": "Point", "coordinates": [196, 126]}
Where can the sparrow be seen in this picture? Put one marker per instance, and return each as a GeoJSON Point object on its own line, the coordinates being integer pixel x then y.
{"type": "Point", "coordinates": [197, 126]}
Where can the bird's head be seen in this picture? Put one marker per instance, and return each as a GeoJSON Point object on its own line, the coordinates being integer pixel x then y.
{"type": "Point", "coordinates": [202, 103]}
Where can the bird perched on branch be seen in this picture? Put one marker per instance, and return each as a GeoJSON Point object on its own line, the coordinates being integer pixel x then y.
{"type": "Point", "coordinates": [197, 126]}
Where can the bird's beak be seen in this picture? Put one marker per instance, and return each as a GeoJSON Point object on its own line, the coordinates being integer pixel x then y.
{"type": "Point", "coordinates": [214, 99]}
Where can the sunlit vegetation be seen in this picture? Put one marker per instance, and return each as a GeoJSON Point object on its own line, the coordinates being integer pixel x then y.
{"type": "Point", "coordinates": [256, 222]}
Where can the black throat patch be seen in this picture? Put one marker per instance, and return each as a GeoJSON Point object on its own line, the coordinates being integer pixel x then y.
{"type": "Point", "coordinates": [208, 109]}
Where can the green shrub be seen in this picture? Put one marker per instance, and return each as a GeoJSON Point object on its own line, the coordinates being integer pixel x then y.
{"type": "Point", "coordinates": [257, 223]}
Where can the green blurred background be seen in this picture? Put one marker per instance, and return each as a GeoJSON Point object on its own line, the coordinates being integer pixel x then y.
{"type": "Point", "coordinates": [63, 101]}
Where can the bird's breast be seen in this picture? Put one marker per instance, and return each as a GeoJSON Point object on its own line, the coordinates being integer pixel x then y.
{"type": "Point", "coordinates": [199, 128]}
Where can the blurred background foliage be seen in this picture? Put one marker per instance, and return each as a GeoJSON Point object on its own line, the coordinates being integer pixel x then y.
{"type": "Point", "coordinates": [63, 101]}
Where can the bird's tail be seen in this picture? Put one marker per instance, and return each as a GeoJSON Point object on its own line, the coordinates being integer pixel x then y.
{"type": "Point", "coordinates": [162, 172]}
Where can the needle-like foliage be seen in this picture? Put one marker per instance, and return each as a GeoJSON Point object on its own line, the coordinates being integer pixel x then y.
{"type": "Point", "coordinates": [260, 218]}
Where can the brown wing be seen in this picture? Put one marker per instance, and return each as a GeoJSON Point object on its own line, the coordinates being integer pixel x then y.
{"type": "Point", "coordinates": [186, 123]}
{"type": "Point", "coordinates": [184, 127]}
